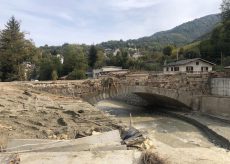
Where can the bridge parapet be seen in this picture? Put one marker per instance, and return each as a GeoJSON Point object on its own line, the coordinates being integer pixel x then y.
{"type": "Point", "coordinates": [193, 84]}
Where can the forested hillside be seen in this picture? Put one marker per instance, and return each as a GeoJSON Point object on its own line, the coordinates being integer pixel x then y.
{"type": "Point", "coordinates": [180, 35]}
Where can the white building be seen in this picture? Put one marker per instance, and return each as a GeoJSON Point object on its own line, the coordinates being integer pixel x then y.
{"type": "Point", "coordinates": [116, 51]}
{"type": "Point", "coordinates": [105, 71]}
{"type": "Point", "coordinates": [227, 68]}
{"type": "Point", "coordinates": [196, 65]}
{"type": "Point", "coordinates": [61, 58]}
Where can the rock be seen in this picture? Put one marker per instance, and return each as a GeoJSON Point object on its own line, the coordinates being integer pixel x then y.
{"type": "Point", "coordinates": [81, 111]}
{"type": "Point", "coordinates": [88, 132]}
{"type": "Point", "coordinates": [79, 135]}
{"type": "Point", "coordinates": [61, 122]}
{"type": "Point", "coordinates": [27, 93]}
{"type": "Point", "coordinates": [95, 133]}
{"type": "Point", "coordinates": [63, 137]}
{"type": "Point", "coordinates": [147, 144]}
{"type": "Point", "coordinates": [54, 136]}
{"type": "Point", "coordinates": [164, 131]}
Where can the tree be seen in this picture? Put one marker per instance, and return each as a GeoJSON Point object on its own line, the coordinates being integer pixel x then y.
{"type": "Point", "coordinates": [74, 57]}
{"type": "Point", "coordinates": [45, 69]}
{"type": "Point", "coordinates": [76, 74]}
{"type": "Point", "coordinates": [100, 62]}
{"type": "Point", "coordinates": [92, 56]}
{"type": "Point", "coordinates": [181, 51]}
{"type": "Point", "coordinates": [191, 54]}
{"type": "Point", "coordinates": [49, 68]}
{"type": "Point", "coordinates": [54, 75]}
{"type": "Point", "coordinates": [14, 50]}
{"type": "Point", "coordinates": [225, 10]}
{"type": "Point", "coordinates": [167, 50]}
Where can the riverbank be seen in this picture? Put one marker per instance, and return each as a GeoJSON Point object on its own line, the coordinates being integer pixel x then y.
{"type": "Point", "coordinates": [29, 114]}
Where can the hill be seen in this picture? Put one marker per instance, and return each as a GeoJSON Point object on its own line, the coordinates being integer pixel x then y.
{"type": "Point", "coordinates": [179, 36]}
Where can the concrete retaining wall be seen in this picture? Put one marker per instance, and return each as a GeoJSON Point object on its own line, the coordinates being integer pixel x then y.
{"type": "Point", "coordinates": [220, 86]}
{"type": "Point", "coordinates": [217, 106]}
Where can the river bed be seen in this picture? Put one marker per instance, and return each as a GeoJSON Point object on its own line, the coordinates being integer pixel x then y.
{"type": "Point", "coordinates": [175, 140]}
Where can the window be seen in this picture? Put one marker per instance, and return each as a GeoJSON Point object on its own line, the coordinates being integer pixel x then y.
{"type": "Point", "coordinates": [197, 63]}
{"type": "Point", "coordinates": [167, 69]}
{"type": "Point", "coordinates": [176, 68]}
{"type": "Point", "coordinates": [204, 69]}
{"type": "Point", "coordinates": [189, 69]}
{"type": "Point", "coordinates": [171, 68]}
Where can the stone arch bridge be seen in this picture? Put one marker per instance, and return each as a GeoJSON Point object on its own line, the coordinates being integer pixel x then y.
{"type": "Point", "coordinates": [184, 90]}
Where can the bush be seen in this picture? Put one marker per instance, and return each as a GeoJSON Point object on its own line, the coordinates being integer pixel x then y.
{"type": "Point", "coordinates": [54, 75]}
{"type": "Point", "coordinates": [219, 68]}
{"type": "Point", "coordinates": [76, 75]}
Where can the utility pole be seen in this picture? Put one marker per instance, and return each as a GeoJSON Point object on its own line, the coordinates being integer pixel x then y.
{"type": "Point", "coordinates": [177, 55]}
{"type": "Point", "coordinates": [221, 58]}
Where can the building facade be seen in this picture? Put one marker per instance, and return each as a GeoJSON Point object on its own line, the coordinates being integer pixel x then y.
{"type": "Point", "coordinates": [196, 65]}
{"type": "Point", "coordinates": [105, 71]}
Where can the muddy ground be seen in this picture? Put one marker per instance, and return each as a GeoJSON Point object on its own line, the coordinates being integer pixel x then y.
{"type": "Point", "coordinates": [26, 114]}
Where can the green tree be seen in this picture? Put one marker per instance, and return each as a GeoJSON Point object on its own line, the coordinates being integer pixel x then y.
{"type": "Point", "coordinates": [92, 56]}
{"type": "Point", "coordinates": [45, 69]}
{"type": "Point", "coordinates": [14, 50]}
{"type": "Point", "coordinates": [49, 68]}
{"type": "Point", "coordinates": [100, 62]}
{"type": "Point", "coordinates": [76, 74]}
{"type": "Point", "coordinates": [167, 50]}
{"type": "Point", "coordinates": [225, 10]}
{"type": "Point", "coordinates": [74, 58]}
{"type": "Point", "coordinates": [181, 51]}
{"type": "Point", "coordinates": [191, 54]}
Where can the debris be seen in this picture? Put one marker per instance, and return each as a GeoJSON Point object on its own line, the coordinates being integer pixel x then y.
{"type": "Point", "coordinates": [147, 144]}
{"type": "Point", "coordinates": [61, 122]}
{"type": "Point", "coordinates": [132, 137]}
{"type": "Point", "coordinates": [27, 93]}
{"type": "Point", "coordinates": [130, 133]}
{"type": "Point", "coordinates": [3, 141]}
{"type": "Point", "coordinates": [72, 113]}
{"type": "Point", "coordinates": [63, 137]}
{"type": "Point", "coordinates": [81, 111]}
{"type": "Point", "coordinates": [13, 159]}
{"type": "Point", "coordinates": [95, 133]}
{"type": "Point", "coordinates": [150, 157]}
{"type": "Point", "coordinates": [79, 134]}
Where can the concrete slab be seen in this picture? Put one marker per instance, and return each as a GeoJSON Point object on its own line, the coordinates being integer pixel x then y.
{"type": "Point", "coordinates": [101, 157]}
{"type": "Point", "coordinates": [81, 144]}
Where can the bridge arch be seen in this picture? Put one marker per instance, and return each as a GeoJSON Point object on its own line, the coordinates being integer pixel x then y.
{"type": "Point", "coordinates": [153, 95]}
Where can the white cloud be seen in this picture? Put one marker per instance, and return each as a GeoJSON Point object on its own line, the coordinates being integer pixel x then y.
{"type": "Point", "coordinates": [132, 4]}
{"type": "Point", "coordinates": [65, 16]}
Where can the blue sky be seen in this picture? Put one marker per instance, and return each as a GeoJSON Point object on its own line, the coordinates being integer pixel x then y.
{"type": "Point", "coordinates": [55, 22]}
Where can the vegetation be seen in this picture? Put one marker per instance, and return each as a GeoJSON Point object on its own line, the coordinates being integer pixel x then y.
{"type": "Point", "coordinates": [178, 36]}
{"type": "Point", "coordinates": [96, 57]}
{"type": "Point", "coordinates": [217, 48]}
{"type": "Point", "coordinates": [168, 50]}
{"type": "Point", "coordinates": [15, 50]}
{"type": "Point", "coordinates": [225, 8]}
